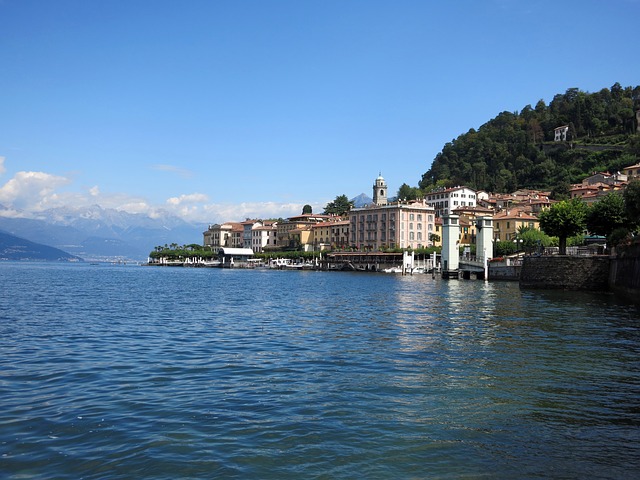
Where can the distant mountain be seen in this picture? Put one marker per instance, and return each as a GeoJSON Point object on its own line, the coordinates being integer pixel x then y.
{"type": "Point", "coordinates": [16, 248]}
{"type": "Point", "coordinates": [96, 233]}
{"type": "Point", "coordinates": [361, 200]}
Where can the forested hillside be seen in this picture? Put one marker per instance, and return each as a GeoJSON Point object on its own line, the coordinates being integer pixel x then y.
{"type": "Point", "coordinates": [517, 150]}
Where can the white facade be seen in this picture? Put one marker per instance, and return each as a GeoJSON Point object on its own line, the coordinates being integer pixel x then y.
{"type": "Point", "coordinates": [450, 236]}
{"type": "Point", "coordinates": [445, 201]}
{"type": "Point", "coordinates": [560, 133]}
{"type": "Point", "coordinates": [264, 236]}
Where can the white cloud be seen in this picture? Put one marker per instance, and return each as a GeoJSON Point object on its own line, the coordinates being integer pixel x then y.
{"type": "Point", "coordinates": [135, 207]}
{"type": "Point", "coordinates": [190, 198]}
{"type": "Point", "coordinates": [28, 193]}
{"type": "Point", "coordinates": [2, 168]}
{"type": "Point", "coordinates": [32, 190]}
{"type": "Point", "coordinates": [238, 212]}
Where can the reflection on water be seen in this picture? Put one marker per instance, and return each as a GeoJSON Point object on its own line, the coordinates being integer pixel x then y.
{"type": "Point", "coordinates": [166, 373]}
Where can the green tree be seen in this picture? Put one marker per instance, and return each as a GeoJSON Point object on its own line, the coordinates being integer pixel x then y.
{"type": "Point", "coordinates": [533, 240]}
{"type": "Point", "coordinates": [339, 206]}
{"type": "Point", "coordinates": [514, 150]}
{"type": "Point", "coordinates": [502, 248]}
{"type": "Point", "coordinates": [564, 219]}
{"type": "Point", "coordinates": [561, 191]}
{"type": "Point", "coordinates": [607, 215]}
{"type": "Point", "coordinates": [405, 192]}
{"type": "Point", "coordinates": [307, 210]}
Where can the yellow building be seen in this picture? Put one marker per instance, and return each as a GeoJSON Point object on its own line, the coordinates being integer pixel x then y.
{"type": "Point", "coordinates": [468, 217]}
{"type": "Point", "coordinates": [506, 224]}
{"type": "Point", "coordinates": [331, 235]}
{"type": "Point", "coordinates": [297, 232]}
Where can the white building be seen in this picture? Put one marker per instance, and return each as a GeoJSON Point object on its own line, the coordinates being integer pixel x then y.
{"type": "Point", "coordinates": [264, 236]}
{"type": "Point", "coordinates": [445, 201]}
{"type": "Point", "coordinates": [560, 133]}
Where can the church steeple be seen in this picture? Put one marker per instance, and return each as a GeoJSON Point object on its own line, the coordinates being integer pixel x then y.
{"type": "Point", "coordinates": [380, 191]}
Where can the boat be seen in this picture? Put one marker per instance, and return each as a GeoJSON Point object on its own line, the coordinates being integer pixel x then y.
{"type": "Point", "coordinates": [212, 263]}
{"type": "Point", "coordinates": [392, 270]}
{"type": "Point", "coordinates": [279, 263]}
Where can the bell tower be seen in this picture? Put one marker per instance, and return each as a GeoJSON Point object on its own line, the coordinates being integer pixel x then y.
{"type": "Point", "coordinates": [380, 191]}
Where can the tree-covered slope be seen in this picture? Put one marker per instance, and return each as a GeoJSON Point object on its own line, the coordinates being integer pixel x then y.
{"type": "Point", "coordinates": [517, 150]}
{"type": "Point", "coordinates": [16, 248]}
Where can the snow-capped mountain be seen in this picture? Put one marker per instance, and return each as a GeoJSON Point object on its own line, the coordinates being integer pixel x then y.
{"type": "Point", "coordinates": [96, 233]}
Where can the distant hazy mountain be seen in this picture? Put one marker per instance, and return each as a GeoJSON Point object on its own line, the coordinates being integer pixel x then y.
{"type": "Point", "coordinates": [16, 248]}
{"type": "Point", "coordinates": [361, 200]}
{"type": "Point", "coordinates": [96, 233]}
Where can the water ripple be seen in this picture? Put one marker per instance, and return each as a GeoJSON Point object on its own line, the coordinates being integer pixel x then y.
{"type": "Point", "coordinates": [196, 373]}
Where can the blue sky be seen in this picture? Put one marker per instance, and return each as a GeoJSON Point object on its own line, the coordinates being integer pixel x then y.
{"type": "Point", "coordinates": [228, 109]}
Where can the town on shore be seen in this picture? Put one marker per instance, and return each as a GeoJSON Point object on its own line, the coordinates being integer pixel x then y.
{"type": "Point", "coordinates": [391, 225]}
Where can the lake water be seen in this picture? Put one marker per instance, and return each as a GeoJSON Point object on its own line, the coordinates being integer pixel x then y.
{"type": "Point", "coordinates": [148, 372]}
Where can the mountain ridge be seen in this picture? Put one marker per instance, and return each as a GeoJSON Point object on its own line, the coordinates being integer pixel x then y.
{"type": "Point", "coordinates": [97, 233]}
{"type": "Point", "coordinates": [17, 248]}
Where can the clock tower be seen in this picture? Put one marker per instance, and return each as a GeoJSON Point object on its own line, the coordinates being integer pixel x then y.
{"type": "Point", "coordinates": [380, 191]}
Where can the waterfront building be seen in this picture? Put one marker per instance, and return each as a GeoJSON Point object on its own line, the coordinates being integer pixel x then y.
{"type": "Point", "coordinates": [232, 256]}
{"type": "Point", "coordinates": [295, 232]}
{"type": "Point", "coordinates": [330, 235]}
{"type": "Point", "coordinates": [507, 223]}
{"type": "Point", "coordinates": [447, 200]}
{"type": "Point", "coordinates": [258, 235]}
{"type": "Point", "coordinates": [467, 221]}
{"type": "Point", "coordinates": [264, 237]}
{"type": "Point", "coordinates": [436, 237]}
{"type": "Point", "coordinates": [229, 234]}
{"type": "Point", "coordinates": [391, 225]}
{"type": "Point", "coordinates": [247, 227]}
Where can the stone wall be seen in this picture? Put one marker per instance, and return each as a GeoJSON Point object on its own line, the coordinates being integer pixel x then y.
{"type": "Point", "coordinates": [504, 272]}
{"type": "Point", "coordinates": [565, 272]}
{"type": "Point", "coordinates": [624, 274]}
